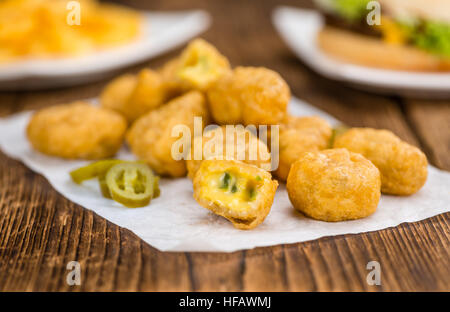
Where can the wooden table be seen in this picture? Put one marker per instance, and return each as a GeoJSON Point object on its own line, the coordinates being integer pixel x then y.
{"type": "Point", "coordinates": [41, 231]}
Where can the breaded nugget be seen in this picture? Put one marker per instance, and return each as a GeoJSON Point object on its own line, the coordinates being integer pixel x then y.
{"type": "Point", "coordinates": [199, 65]}
{"type": "Point", "coordinates": [403, 167]}
{"type": "Point", "coordinates": [334, 185]}
{"type": "Point", "coordinates": [238, 144]}
{"type": "Point", "coordinates": [299, 135]}
{"type": "Point", "coordinates": [149, 93]}
{"type": "Point", "coordinates": [224, 100]}
{"type": "Point", "coordinates": [150, 136]}
{"type": "Point", "coordinates": [132, 96]}
{"type": "Point", "coordinates": [77, 130]}
{"type": "Point", "coordinates": [249, 95]}
{"type": "Point", "coordinates": [240, 192]}
{"type": "Point", "coordinates": [168, 72]}
{"type": "Point", "coordinates": [116, 93]}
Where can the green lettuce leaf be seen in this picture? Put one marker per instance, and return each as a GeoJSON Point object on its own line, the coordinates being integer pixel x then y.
{"type": "Point", "coordinates": [352, 10]}
{"type": "Point", "coordinates": [433, 37]}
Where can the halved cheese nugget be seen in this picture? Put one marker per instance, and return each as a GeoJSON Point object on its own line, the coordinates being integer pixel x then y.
{"type": "Point", "coordinates": [198, 67]}
{"type": "Point", "coordinates": [201, 64]}
{"type": "Point", "coordinates": [240, 192]}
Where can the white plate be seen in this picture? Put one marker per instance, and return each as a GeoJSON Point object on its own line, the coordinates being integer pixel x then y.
{"type": "Point", "coordinates": [299, 28]}
{"type": "Point", "coordinates": [161, 32]}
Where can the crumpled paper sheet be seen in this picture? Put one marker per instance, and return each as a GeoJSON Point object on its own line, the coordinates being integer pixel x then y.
{"type": "Point", "coordinates": [175, 222]}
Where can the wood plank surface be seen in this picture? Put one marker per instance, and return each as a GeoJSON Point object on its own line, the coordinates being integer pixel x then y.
{"type": "Point", "coordinates": [41, 231]}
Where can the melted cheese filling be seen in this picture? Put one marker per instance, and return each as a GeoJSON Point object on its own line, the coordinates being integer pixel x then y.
{"type": "Point", "coordinates": [237, 192]}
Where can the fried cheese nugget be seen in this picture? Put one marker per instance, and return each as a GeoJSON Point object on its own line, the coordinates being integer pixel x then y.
{"type": "Point", "coordinates": [334, 185]}
{"type": "Point", "coordinates": [150, 136]}
{"type": "Point", "coordinates": [199, 65]}
{"type": "Point", "coordinates": [149, 93]}
{"type": "Point", "coordinates": [77, 131]}
{"type": "Point", "coordinates": [299, 135]}
{"type": "Point", "coordinates": [116, 93]}
{"type": "Point", "coordinates": [249, 95]}
{"type": "Point", "coordinates": [237, 144]}
{"type": "Point", "coordinates": [132, 96]}
{"type": "Point", "coordinates": [239, 192]}
{"type": "Point", "coordinates": [224, 100]}
{"type": "Point", "coordinates": [403, 167]}
{"type": "Point", "coordinates": [168, 73]}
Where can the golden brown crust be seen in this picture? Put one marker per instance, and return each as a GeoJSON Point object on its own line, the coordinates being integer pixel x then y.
{"type": "Point", "coordinates": [168, 73]}
{"type": "Point", "coordinates": [150, 136]}
{"type": "Point", "coordinates": [116, 94]}
{"type": "Point", "coordinates": [403, 167]}
{"type": "Point", "coordinates": [224, 101]}
{"type": "Point", "coordinates": [372, 52]}
{"type": "Point", "coordinates": [77, 130]}
{"type": "Point", "coordinates": [299, 135]}
{"type": "Point", "coordinates": [334, 185]}
{"type": "Point", "coordinates": [241, 140]}
{"type": "Point", "coordinates": [149, 93]}
{"type": "Point", "coordinates": [265, 94]}
{"type": "Point", "coordinates": [249, 96]}
{"type": "Point", "coordinates": [134, 95]}
{"type": "Point", "coordinates": [244, 218]}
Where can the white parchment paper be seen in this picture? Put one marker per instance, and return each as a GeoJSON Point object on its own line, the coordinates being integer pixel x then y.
{"type": "Point", "coordinates": [175, 222]}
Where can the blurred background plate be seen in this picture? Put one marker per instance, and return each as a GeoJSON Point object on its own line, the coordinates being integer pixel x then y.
{"type": "Point", "coordinates": [162, 31]}
{"type": "Point", "coordinates": [299, 29]}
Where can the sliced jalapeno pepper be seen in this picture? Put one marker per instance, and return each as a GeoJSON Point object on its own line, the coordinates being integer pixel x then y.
{"type": "Point", "coordinates": [93, 170]}
{"type": "Point", "coordinates": [132, 184]}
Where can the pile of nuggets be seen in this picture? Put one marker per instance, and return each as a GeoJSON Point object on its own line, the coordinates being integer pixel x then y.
{"type": "Point", "coordinates": [330, 175]}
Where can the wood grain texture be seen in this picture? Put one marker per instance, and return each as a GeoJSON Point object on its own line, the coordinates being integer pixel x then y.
{"type": "Point", "coordinates": [41, 231]}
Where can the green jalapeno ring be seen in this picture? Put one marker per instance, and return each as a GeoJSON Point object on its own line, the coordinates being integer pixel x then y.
{"type": "Point", "coordinates": [131, 184]}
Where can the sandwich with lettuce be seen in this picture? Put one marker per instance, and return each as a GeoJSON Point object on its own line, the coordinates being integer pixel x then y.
{"type": "Point", "coordinates": [411, 35]}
